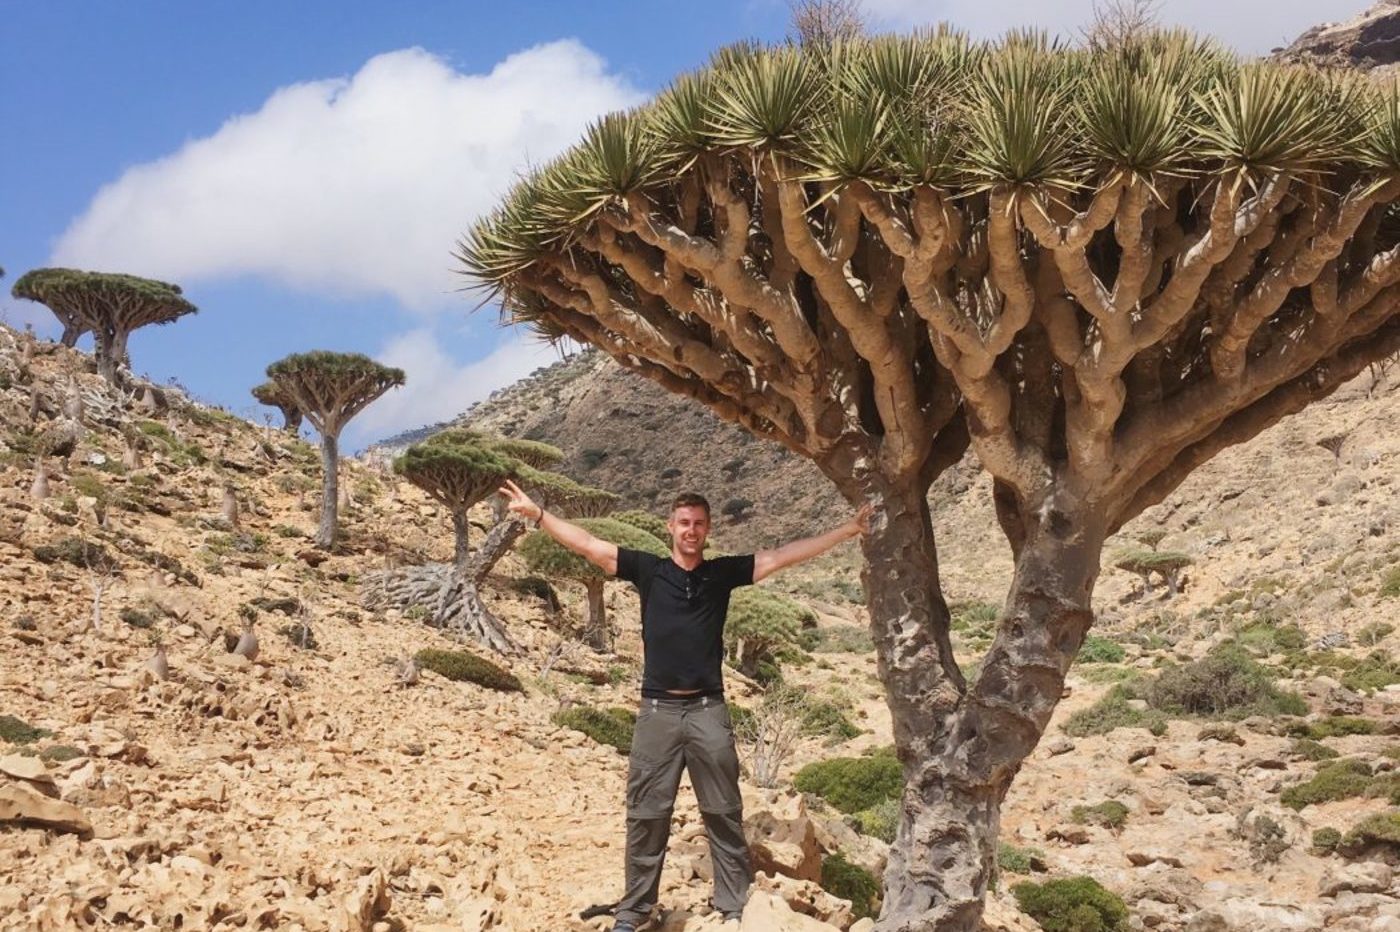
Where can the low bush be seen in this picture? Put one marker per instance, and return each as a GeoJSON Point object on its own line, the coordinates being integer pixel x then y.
{"type": "Point", "coordinates": [1110, 712]}
{"type": "Point", "coordinates": [1104, 673]}
{"type": "Point", "coordinates": [880, 820]}
{"type": "Point", "coordinates": [1308, 749]}
{"type": "Point", "coordinates": [1341, 779]}
{"type": "Point", "coordinates": [843, 639]}
{"type": "Point", "coordinates": [59, 753]}
{"type": "Point", "coordinates": [461, 666]}
{"type": "Point", "coordinates": [1016, 860]}
{"type": "Point", "coordinates": [539, 587]}
{"type": "Point", "coordinates": [612, 727]}
{"type": "Point", "coordinates": [1325, 840]}
{"type": "Point", "coordinates": [1333, 726]}
{"type": "Point", "coordinates": [136, 617]}
{"type": "Point", "coordinates": [1372, 634]}
{"type": "Point", "coordinates": [1226, 683]}
{"type": "Point", "coordinates": [851, 784]}
{"type": "Point", "coordinates": [1383, 828]}
{"type": "Point", "coordinates": [1072, 904]}
{"type": "Point", "coordinates": [1377, 671]}
{"type": "Point", "coordinates": [851, 882]}
{"type": "Point", "coordinates": [18, 731]}
{"type": "Point", "coordinates": [1271, 638]}
{"type": "Point", "coordinates": [1097, 649]}
{"type": "Point", "coordinates": [824, 718]}
{"type": "Point", "coordinates": [1108, 814]}
{"type": "Point", "coordinates": [1390, 584]}
{"type": "Point", "coordinates": [80, 553]}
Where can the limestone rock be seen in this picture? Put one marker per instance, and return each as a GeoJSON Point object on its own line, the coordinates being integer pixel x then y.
{"type": "Point", "coordinates": [767, 912]}
{"type": "Point", "coordinates": [783, 840]}
{"type": "Point", "coordinates": [31, 770]}
{"type": "Point", "coordinates": [22, 806]}
{"type": "Point", "coordinates": [1364, 877]}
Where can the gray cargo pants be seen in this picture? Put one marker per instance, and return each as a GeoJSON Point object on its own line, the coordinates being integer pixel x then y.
{"type": "Point", "coordinates": [695, 734]}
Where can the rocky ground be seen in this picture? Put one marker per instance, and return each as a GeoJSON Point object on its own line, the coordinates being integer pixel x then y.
{"type": "Point", "coordinates": [310, 788]}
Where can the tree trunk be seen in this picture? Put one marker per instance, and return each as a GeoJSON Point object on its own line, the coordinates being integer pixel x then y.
{"type": "Point", "coordinates": [460, 554]}
{"type": "Point", "coordinates": [497, 544]}
{"type": "Point", "coordinates": [291, 421]}
{"type": "Point", "coordinates": [110, 349]}
{"type": "Point", "coordinates": [70, 335]}
{"type": "Point", "coordinates": [944, 855]}
{"type": "Point", "coordinates": [596, 634]}
{"type": "Point", "coordinates": [330, 488]}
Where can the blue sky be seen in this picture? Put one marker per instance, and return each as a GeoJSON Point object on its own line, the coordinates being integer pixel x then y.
{"type": "Point", "coordinates": [303, 168]}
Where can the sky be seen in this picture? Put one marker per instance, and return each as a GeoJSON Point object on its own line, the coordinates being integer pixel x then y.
{"type": "Point", "coordinates": [305, 170]}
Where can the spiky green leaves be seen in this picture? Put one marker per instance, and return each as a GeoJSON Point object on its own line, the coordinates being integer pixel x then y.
{"type": "Point", "coordinates": [1270, 119]}
{"type": "Point", "coordinates": [547, 557]}
{"type": "Point", "coordinates": [764, 100]}
{"type": "Point", "coordinates": [331, 388]}
{"type": "Point", "coordinates": [1019, 128]}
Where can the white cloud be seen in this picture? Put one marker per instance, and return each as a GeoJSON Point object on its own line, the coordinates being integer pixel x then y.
{"type": "Point", "coordinates": [353, 186]}
{"type": "Point", "coordinates": [1251, 26]}
{"type": "Point", "coordinates": [437, 387]}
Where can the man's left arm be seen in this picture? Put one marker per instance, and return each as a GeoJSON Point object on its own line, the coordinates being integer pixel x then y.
{"type": "Point", "coordinates": [768, 562]}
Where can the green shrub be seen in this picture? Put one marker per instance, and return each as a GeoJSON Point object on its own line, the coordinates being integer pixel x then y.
{"type": "Point", "coordinates": [1227, 682]}
{"type": "Point", "coordinates": [1341, 779]}
{"type": "Point", "coordinates": [761, 626]}
{"type": "Point", "coordinates": [58, 753]}
{"type": "Point", "coordinates": [612, 727]}
{"type": "Point", "coordinates": [1376, 671]}
{"type": "Point", "coordinates": [1268, 637]}
{"type": "Point", "coordinates": [1072, 904]}
{"type": "Point", "coordinates": [975, 619]}
{"type": "Point", "coordinates": [843, 639]}
{"type": "Point", "coordinates": [1104, 673]}
{"type": "Point", "coordinates": [1097, 649]}
{"type": "Point", "coordinates": [1308, 749]}
{"type": "Point", "coordinates": [136, 617]}
{"type": "Point", "coordinates": [18, 731]}
{"type": "Point", "coordinates": [655, 525]}
{"type": "Point", "coordinates": [851, 784]}
{"type": "Point", "coordinates": [822, 717]}
{"type": "Point", "coordinates": [880, 820]}
{"type": "Point", "coordinates": [1110, 712]}
{"type": "Point", "coordinates": [1390, 584]}
{"type": "Point", "coordinates": [461, 666]}
{"type": "Point", "coordinates": [1015, 860]}
{"type": "Point", "coordinates": [1325, 840]}
{"type": "Point", "coordinates": [851, 882]}
{"type": "Point", "coordinates": [538, 587]}
{"type": "Point", "coordinates": [1333, 726]}
{"type": "Point", "coordinates": [1383, 828]}
{"type": "Point", "coordinates": [81, 553]}
{"type": "Point", "coordinates": [1108, 814]}
{"type": "Point", "coordinates": [1372, 634]}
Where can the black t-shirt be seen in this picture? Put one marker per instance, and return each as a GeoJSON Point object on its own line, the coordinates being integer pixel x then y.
{"type": "Point", "coordinates": [683, 618]}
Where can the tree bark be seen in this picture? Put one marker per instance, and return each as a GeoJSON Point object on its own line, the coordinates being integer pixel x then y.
{"type": "Point", "coordinates": [961, 746]}
{"type": "Point", "coordinates": [596, 634]}
{"type": "Point", "coordinates": [497, 544]}
{"type": "Point", "coordinates": [291, 421]}
{"type": "Point", "coordinates": [460, 553]}
{"type": "Point", "coordinates": [330, 490]}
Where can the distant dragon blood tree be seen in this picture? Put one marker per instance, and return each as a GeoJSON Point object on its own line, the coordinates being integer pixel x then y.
{"type": "Point", "coordinates": [108, 305]}
{"type": "Point", "coordinates": [268, 393]}
{"type": "Point", "coordinates": [330, 389]}
{"type": "Point", "coordinates": [1099, 267]}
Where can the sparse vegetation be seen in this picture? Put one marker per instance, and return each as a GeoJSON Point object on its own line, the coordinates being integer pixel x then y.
{"type": "Point", "coordinates": [880, 820]}
{"type": "Point", "coordinates": [1225, 683]}
{"type": "Point", "coordinates": [1382, 829]}
{"type": "Point", "coordinates": [1325, 840]}
{"type": "Point", "coordinates": [1108, 814]}
{"type": "Point", "coordinates": [1311, 750]}
{"type": "Point", "coordinates": [1113, 711]}
{"type": "Point", "coordinates": [851, 882]}
{"type": "Point", "coordinates": [18, 731]}
{"type": "Point", "coordinates": [1334, 726]}
{"type": "Point", "coordinates": [1340, 779]}
{"type": "Point", "coordinates": [461, 666]}
{"type": "Point", "coordinates": [842, 639]}
{"type": "Point", "coordinates": [1097, 649]}
{"type": "Point", "coordinates": [1013, 859]}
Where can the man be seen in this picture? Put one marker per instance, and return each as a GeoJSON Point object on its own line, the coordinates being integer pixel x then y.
{"type": "Point", "coordinates": [683, 721]}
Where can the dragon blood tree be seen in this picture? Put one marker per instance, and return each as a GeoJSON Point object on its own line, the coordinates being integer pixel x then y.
{"type": "Point", "coordinates": [1100, 267]}
{"type": "Point", "coordinates": [109, 305]}
{"type": "Point", "coordinates": [329, 389]}
{"type": "Point", "coordinates": [268, 393]}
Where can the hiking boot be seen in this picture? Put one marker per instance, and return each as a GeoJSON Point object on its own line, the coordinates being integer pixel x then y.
{"type": "Point", "coordinates": [624, 925]}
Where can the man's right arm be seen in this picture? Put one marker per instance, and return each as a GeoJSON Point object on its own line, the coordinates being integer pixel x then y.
{"type": "Point", "coordinates": [601, 553]}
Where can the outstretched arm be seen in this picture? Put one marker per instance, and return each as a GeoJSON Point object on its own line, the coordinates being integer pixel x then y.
{"type": "Point", "coordinates": [768, 562]}
{"type": "Point", "coordinates": [600, 553]}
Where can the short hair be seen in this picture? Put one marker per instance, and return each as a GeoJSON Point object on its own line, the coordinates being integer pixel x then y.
{"type": "Point", "coordinates": [690, 500]}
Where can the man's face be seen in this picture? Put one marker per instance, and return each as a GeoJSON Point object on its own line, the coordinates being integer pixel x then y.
{"type": "Point", "coordinates": [689, 526]}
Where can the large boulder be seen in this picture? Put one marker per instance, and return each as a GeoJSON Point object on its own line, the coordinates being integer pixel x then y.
{"type": "Point", "coordinates": [783, 840]}
{"type": "Point", "coordinates": [22, 806]}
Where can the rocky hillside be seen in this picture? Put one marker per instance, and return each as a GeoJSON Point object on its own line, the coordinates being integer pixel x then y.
{"type": "Point", "coordinates": [1369, 41]}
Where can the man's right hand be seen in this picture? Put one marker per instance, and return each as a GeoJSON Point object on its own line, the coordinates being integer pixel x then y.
{"type": "Point", "coordinates": [520, 504]}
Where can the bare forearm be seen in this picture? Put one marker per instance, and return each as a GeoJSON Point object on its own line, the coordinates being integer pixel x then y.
{"type": "Point", "coordinates": [599, 552]}
{"type": "Point", "coordinates": [770, 561]}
